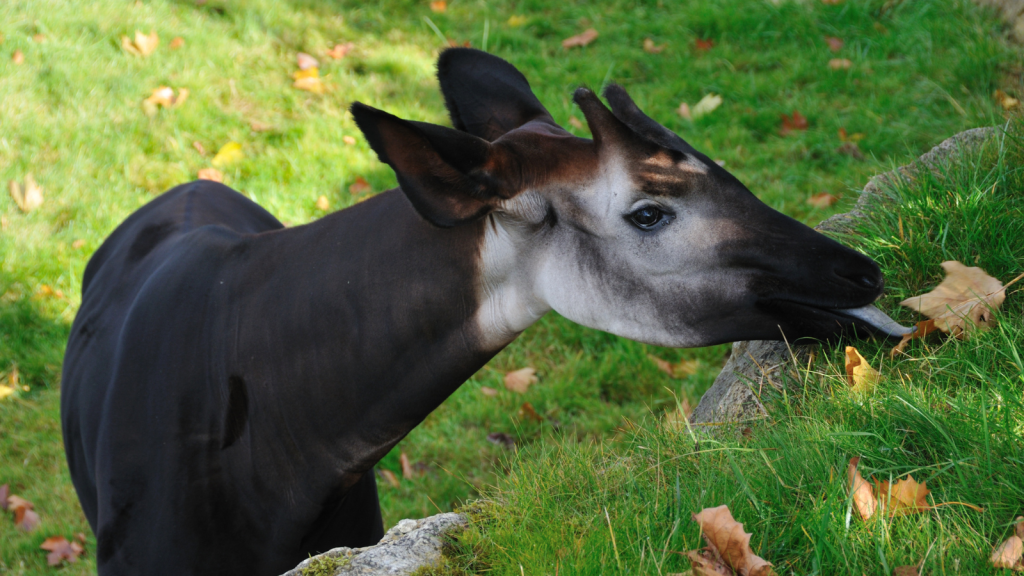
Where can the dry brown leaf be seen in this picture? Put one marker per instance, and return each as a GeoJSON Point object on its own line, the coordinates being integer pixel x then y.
{"type": "Point", "coordinates": [211, 174]}
{"type": "Point", "coordinates": [859, 374]}
{"type": "Point", "coordinates": [520, 380]}
{"type": "Point", "coordinates": [18, 57]}
{"type": "Point", "coordinates": [176, 42]}
{"type": "Point", "coordinates": [78, 243]}
{"type": "Point", "coordinates": [792, 123]}
{"type": "Point", "coordinates": [581, 39]}
{"type": "Point", "coordinates": [24, 517]}
{"type": "Point", "coordinates": [257, 126]}
{"type": "Point", "coordinates": [921, 330]}
{"type": "Point", "coordinates": [29, 197]}
{"type": "Point", "coordinates": [143, 45]}
{"type": "Point", "coordinates": [360, 186]}
{"type": "Point", "coordinates": [906, 571]}
{"type": "Point", "coordinates": [340, 50]}
{"type": "Point", "coordinates": [1005, 100]}
{"type": "Point", "coordinates": [5, 492]}
{"type": "Point", "coordinates": [349, 140]}
{"type": "Point", "coordinates": [967, 293]}
{"type": "Point", "coordinates": [199, 147]}
{"type": "Point", "coordinates": [822, 200]}
{"type": "Point", "coordinates": [651, 48]}
{"type": "Point", "coordinates": [834, 44]}
{"type": "Point", "coordinates": [855, 137]}
{"type": "Point", "coordinates": [703, 45]}
{"type": "Point", "coordinates": [840, 64]}
{"type": "Point", "coordinates": [863, 498]}
{"type": "Point", "coordinates": [904, 497]}
{"type": "Point", "coordinates": [488, 391]}
{"type": "Point", "coordinates": [705, 563]}
{"type": "Point", "coordinates": [305, 61]}
{"type": "Point", "coordinates": [725, 536]}
{"type": "Point", "coordinates": [407, 469]}
{"type": "Point", "coordinates": [438, 5]}
{"type": "Point", "coordinates": [164, 97]}
{"type": "Point", "coordinates": [389, 477]}
{"type": "Point", "coordinates": [1009, 554]}
{"type": "Point", "coordinates": [60, 549]}
{"type": "Point", "coordinates": [527, 412]}
{"type": "Point", "coordinates": [323, 204]}
{"type": "Point", "coordinates": [680, 369]}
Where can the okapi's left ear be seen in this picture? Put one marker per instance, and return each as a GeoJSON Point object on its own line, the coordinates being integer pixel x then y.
{"type": "Point", "coordinates": [444, 173]}
{"type": "Point", "coordinates": [608, 131]}
{"type": "Point", "coordinates": [630, 114]}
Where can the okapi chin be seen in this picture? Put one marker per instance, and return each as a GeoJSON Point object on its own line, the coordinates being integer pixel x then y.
{"type": "Point", "coordinates": [230, 383]}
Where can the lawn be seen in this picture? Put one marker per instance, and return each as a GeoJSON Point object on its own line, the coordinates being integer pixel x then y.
{"type": "Point", "coordinates": [73, 116]}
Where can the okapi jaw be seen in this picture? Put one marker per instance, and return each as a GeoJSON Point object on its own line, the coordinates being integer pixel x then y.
{"type": "Point", "coordinates": [717, 266]}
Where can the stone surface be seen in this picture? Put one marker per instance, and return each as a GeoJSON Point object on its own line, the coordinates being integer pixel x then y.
{"type": "Point", "coordinates": [411, 544]}
{"type": "Point", "coordinates": [735, 395]}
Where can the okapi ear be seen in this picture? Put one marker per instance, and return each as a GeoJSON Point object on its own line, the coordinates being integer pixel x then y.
{"type": "Point", "coordinates": [630, 114]}
{"type": "Point", "coordinates": [604, 126]}
{"type": "Point", "coordinates": [485, 95]}
{"type": "Point", "coordinates": [442, 171]}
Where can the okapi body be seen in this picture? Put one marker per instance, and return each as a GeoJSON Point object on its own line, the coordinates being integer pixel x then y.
{"type": "Point", "coordinates": [230, 383]}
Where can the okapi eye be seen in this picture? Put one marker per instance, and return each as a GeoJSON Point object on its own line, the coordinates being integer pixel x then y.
{"type": "Point", "coordinates": [647, 217]}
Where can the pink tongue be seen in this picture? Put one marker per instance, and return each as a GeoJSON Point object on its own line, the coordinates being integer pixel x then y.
{"type": "Point", "coordinates": [877, 319]}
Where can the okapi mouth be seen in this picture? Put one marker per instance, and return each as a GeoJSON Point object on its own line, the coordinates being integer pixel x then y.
{"type": "Point", "coordinates": [867, 318]}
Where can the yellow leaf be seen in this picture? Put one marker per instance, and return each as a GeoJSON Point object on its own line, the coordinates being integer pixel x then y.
{"type": "Point", "coordinates": [516, 21]}
{"type": "Point", "coordinates": [312, 72]}
{"type": "Point", "coordinates": [313, 84]}
{"type": "Point", "coordinates": [707, 105]}
{"type": "Point", "coordinates": [520, 380]}
{"type": "Point", "coordinates": [228, 154]}
{"type": "Point", "coordinates": [963, 301]}
{"type": "Point", "coordinates": [322, 204]}
{"type": "Point", "coordinates": [5, 391]}
{"type": "Point", "coordinates": [859, 374]}
{"type": "Point", "coordinates": [863, 498]}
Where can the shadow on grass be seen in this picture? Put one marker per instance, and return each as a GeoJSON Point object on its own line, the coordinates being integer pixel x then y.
{"type": "Point", "coordinates": [32, 340]}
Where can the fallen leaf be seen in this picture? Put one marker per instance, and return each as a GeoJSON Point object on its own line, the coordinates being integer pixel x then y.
{"type": "Point", "coordinates": [39, 38]}
{"type": "Point", "coordinates": [727, 540]}
{"type": "Point", "coordinates": [651, 48]}
{"type": "Point", "coordinates": [199, 147]}
{"type": "Point", "coordinates": [575, 123]}
{"type": "Point", "coordinates": [230, 153]}
{"type": "Point", "coordinates": [516, 21]}
{"type": "Point", "coordinates": [309, 80]}
{"type": "Point", "coordinates": [1005, 100]}
{"type": "Point", "coordinates": [921, 330]}
{"type": "Point", "coordinates": [864, 501]}
{"type": "Point", "coordinates": [834, 44]}
{"type": "Point", "coordinates": [24, 517]}
{"type": "Point", "coordinates": [906, 571]}
{"type": "Point", "coordinates": [164, 97]}
{"type": "Point", "coordinates": [581, 39]}
{"type": "Point", "coordinates": [18, 57]}
{"type": "Point", "coordinates": [60, 549]}
{"type": "Point", "coordinates": [840, 64]}
{"type": "Point", "coordinates": [855, 137]}
{"type": "Point", "coordinates": [407, 470]}
{"type": "Point", "coordinates": [80, 536]}
{"type": "Point", "coordinates": [340, 50]}
{"type": "Point", "coordinates": [1010, 554]}
{"type": "Point", "coordinates": [851, 149]}
{"type": "Point", "coordinates": [963, 301]}
{"type": "Point", "coordinates": [487, 391]}
{"type": "Point", "coordinates": [527, 412]}
{"type": "Point", "coordinates": [257, 126]}
{"type": "Point", "coordinates": [5, 492]}
{"type": "Point", "coordinates": [6, 391]}
{"type": "Point", "coordinates": [143, 45]}
{"type": "Point", "coordinates": [305, 61]}
{"type": "Point", "coordinates": [502, 439]}
{"type": "Point", "coordinates": [859, 374]}
{"type": "Point", "coordinates": [822, 200]}
{"type": "Point", "coordinates": [904, 497]}
{"type": "Point", "coordinates": [359, 186]}
{"type": "Point", "coordinates": [29, 197]}
{"type": "Point", "coordinates": [389, 477]}
{"type": "Point", "coordinates": [323, 204]}
{"type": "Point", "coordinates": [211, 174]}
{"type": "Point", "coordinates": [78, 243]}
{"type": "Point", "coordinates": [438, 5]}
{"type": "Point", "coordinates": [684, 111]}
{"type": "Point", "coordinates": [349, 140]}
{"type": "Point", "coordinates": [705, 563]}
{"type": "Point", "coordinates": [792, 123]}
{"type": "Point", "coordinates": [176, 42]}
{"type": "Point", "coordinates": [680, 369]}
{"type": "Point", "coordinates": [520, 380]}
{"type": "Point", "coordinates": [703, 45]}
{"type": "Point", "coordinates": [706, 105]}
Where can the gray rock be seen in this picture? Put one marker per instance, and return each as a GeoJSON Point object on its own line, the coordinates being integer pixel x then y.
{"type": "Point", "coordinates": [735, 395]}
{"type": "Point", "coordinates": [410, 545]}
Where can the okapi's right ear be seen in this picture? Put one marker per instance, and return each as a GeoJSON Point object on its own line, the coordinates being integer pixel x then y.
{"type": "Point", "coordinates": [442, 171]}
{"type": "Point", "coordinates": [485, 95]}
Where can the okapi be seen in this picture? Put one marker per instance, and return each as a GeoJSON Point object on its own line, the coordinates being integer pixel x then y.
{"type": "Point", "coordinates": [229, 383]}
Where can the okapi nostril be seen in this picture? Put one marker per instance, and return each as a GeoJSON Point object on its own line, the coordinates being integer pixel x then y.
{"type": "Point", "coordinates": [862, 280]}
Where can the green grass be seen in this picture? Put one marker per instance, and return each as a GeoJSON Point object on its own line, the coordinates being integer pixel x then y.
{"type": "Point", "coordinates": [950, 412]}
{"type": "Point", "coordinates": [72, 116]}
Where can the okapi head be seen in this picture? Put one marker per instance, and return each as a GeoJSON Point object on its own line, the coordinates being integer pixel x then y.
{"type": "Point", "coordinates": [634, 232]}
